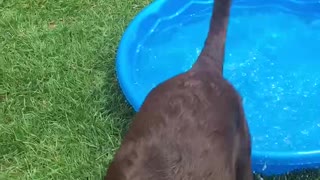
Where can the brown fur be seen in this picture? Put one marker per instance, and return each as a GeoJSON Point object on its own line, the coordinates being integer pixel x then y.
{"type": "Point", "coordinates": [191, 127]}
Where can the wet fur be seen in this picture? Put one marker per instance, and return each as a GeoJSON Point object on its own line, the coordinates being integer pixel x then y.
{"type": "Point", "coordinates": [192, 126]}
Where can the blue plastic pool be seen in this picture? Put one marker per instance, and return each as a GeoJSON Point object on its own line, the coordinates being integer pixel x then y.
{"type": "Point", "coordinates": [272, 58]}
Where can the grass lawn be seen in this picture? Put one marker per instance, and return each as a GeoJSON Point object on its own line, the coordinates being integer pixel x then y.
{"type": "Point", "coordinates": [62, 114]}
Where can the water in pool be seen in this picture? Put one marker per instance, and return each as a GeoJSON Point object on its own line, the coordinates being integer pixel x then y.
{"type": "Point", "coordinates": [273, 60]}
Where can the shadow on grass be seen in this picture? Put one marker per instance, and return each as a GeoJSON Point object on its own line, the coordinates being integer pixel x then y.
{"type": "Point", "coordinates": [116, 106]}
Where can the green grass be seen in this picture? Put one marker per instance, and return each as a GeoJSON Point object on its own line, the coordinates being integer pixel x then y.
{"type": "Point", "coordinates": [62, 114]}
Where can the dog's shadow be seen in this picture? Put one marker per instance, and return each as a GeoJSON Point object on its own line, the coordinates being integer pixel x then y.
{"type": "Point", "coordinates": [116, 107]}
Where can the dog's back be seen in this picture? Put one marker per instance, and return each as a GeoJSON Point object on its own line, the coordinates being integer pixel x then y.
{"type": "Point", "coordinates": [191, 126]}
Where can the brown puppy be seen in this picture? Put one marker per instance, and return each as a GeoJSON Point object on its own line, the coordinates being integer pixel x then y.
{"type": "Point", "coordinates": [191, 127]}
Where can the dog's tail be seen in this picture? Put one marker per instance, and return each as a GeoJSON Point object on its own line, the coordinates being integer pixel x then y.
{"type": "Point", "coordinates": [212, 55]}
